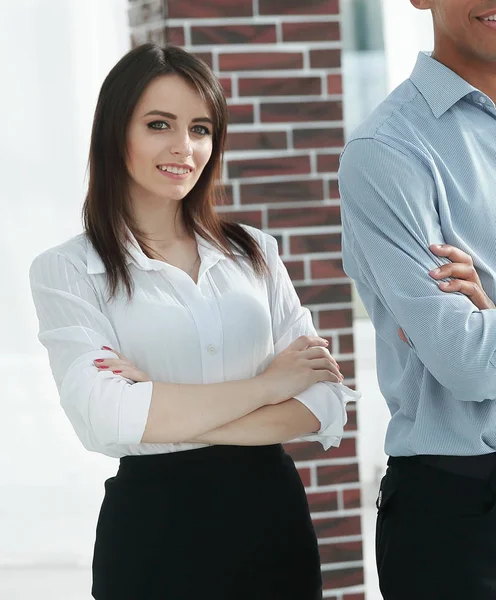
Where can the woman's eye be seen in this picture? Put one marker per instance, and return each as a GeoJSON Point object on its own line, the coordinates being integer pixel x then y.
{"type": "Point", "coordinates": [201, 129]}
{"type": "Point", "coordinates": [158, 125]}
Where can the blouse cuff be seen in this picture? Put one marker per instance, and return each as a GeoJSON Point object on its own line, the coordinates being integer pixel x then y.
{"type": "Point", "coordinates": [327, 401]}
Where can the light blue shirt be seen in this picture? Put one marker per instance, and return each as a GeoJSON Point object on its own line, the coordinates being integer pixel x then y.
{"type": "Point", "coordinates": [421, 170]}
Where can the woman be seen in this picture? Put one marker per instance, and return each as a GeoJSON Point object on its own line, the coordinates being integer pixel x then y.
{"type": "Point", "coordinates": [178, 345]}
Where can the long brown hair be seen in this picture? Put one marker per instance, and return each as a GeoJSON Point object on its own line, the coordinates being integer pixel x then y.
{"type": "Point", "coordinates": [106, 208]}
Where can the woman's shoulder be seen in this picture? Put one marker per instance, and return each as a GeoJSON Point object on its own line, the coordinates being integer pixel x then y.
{"type": "Point", "coordinates": [267, 242]}
{"type": "Point", "coordinates": [72, 253]}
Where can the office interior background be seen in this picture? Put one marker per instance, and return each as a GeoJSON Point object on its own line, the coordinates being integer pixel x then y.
{"type": "Point", "coordinates": [54, 57]}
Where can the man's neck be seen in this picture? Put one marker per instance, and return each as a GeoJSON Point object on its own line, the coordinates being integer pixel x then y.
{"type": "Point", "coordinates": [480, 74]}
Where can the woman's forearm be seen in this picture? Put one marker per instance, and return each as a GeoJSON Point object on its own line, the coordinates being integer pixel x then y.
{"type": "Point", "coordinates": [268, 425]}
{"type": "Point", "coordinates": [182, 412]}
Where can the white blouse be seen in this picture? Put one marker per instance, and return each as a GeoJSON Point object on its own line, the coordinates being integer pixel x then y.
{"type": "Point", "coordinates": [226, 327]}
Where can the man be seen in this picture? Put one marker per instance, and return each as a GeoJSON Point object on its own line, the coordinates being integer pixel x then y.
{"type": "Point", "coordinates": [421, 171]}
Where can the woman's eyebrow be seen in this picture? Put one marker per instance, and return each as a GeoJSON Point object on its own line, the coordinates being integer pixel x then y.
{"type": "Point", "coordinates": [161, 113]}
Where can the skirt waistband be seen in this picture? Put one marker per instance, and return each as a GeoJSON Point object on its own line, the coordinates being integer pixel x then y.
{"type": "Point", "coordinates": [151, 465]}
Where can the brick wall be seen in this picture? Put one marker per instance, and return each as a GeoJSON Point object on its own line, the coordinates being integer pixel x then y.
{"type": "Point", "coordinates": [279, 63]}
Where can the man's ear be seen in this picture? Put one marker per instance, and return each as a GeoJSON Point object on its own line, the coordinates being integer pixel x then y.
{"type": "Point", "coordinates": [421, 4]}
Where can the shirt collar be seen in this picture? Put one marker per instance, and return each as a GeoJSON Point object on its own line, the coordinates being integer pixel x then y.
{"type": "Point", "coordinates": [208, 253]}
{"type": "Point", "coordinates": [441, 87]}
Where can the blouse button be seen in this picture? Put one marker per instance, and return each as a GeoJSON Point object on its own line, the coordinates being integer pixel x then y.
{"type": "Point", "coordinates": [211, 349]}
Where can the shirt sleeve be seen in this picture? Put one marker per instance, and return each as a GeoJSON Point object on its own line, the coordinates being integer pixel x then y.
{"type": "Point", "coordinates": [104, 408]}
{"type": "Point", "coordinates": [327, 401]}
{"type": "Point", "coordinates": [390, 218]}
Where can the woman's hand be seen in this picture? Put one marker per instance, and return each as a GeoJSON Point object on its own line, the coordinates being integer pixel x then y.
{"type": "Point", "coordinates": [120, 366]}
{"type": "Point", "coordinates": [304, 362]}
{"type": "Point", "coordinates": [464, 277]}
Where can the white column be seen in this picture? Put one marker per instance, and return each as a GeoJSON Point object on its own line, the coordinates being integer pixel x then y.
{"type": "Point", "coordinates": [406, 32]}
{"type": "Point", "coordinates": [54, 56]}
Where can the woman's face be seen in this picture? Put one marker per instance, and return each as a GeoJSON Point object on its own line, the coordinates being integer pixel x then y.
{"type": "Point", "coordinates": [169, 139]}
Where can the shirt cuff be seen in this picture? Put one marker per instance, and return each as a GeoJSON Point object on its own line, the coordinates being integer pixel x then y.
{"type": "Point", "coordinates": [133, 414]}
{"type": "Point", "coordinates": [327, 401]}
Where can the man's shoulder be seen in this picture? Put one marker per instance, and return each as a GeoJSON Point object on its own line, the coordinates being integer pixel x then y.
{"type": "Point", "coordinates": [402, 115]}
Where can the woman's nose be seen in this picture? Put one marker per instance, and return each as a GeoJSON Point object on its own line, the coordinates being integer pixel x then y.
{"type": "Point", "coordinates": [181, 145]}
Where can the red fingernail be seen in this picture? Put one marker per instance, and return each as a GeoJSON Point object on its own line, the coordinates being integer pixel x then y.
{"type": "Point", "coordinates": [116, 371]}
{"type": "Point", "coordinates": [103, 367]}
{"type": "Point", "coordinates": [99, 359]}
{"type": "Point", "coordinates": [106, 348]}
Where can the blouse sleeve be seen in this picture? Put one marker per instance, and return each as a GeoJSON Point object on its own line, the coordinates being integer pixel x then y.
{"type": "Point", "coordinates": [327, 401]}
{"type": "Point", "coordinates": [104, 408]}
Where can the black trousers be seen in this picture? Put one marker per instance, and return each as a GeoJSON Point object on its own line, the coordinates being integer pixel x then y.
{"type": "Point", "coordinates": [217, 523]}
{"type": "Point", "coordinates": [436, 529]}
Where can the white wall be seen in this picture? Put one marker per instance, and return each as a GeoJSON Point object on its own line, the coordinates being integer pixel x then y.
{"type": "Point", "coordinates": [54, 56]}
{"type": "Point", "coordinates": [406, 32]}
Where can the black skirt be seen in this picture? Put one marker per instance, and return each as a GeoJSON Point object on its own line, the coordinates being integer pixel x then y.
{"type": "Point", "coordinates": [216, 523]}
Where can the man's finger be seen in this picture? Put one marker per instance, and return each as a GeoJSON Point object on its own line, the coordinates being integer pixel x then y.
{"type": "Point", "coordinates": [454, 254]}
{"type": "Point", "coordinates": [456, 270]}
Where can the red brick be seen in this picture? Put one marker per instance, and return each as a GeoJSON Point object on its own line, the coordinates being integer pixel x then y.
{"type": "Point", "coordinates": [333, 189]}
{"type": "Point", "coordinates": [233, 34]}
{"type": "Point", "coordinates": [320, 31]}
{"type": "Point", "coordinates": [331, 341]}
{"type": "Point", "coordinates": [282, 191]}
{"type": "Point", "coordinates": [175, 35]}
{"type": "Point", "coordinates": [288, 112]}
{"type": "Point", "coordinates": [280, 86]}
{"type": "Point", "coordinates": [252, 61]}
{"type": "Point", "coordinates": [337, 527]}
{"type": "Point", "coordinates": [305, 477]}
{"type": "Point", "coordinates": [226, 83]}
{"type": "Point", "coordinates": [346, 344]}
{"type": "Point", "coordinates": [335, 474]}
{"type": "Point", "coordinates": [327, 268]}
{"type": "Point", "coordinates": [299, 7]}
{"type": "Point", "coordinates": [347, 368]}
{"type": "Point", "coordinates": [205, 57]}
{"type": "Point", "coordinates": [241, 113]}
{"type": "Point", "coordinates": [334, 84]}
{"type": "Point", "coordinates": [324, 242]}
{"type": "Point", "coordinates": [336, 319]}
{"type": "Point", "coordinates": [341, 578]}
{"type": "Point", "coordinates": [340, 552]}
{"type": "Point", "coordinates": [351, 424]}
{"type": "Point", "coordinates": [319, 137]}
{"type": "Point", "coordinates": [299, 217]}
{"type": "Point", "coordinates": [347, 448]}
{"type": "Point", "coordinates": [252, 217]}
{"type": "Point", "coordinates": [296, 269]}
{"type": "Point", "coordinates": [257, 140]}
{"type": "Point", "coordinates": [323, 501]}
{"type": "Point", "coordinates": [228, 191]}
{"type": "Point", "coordinates": [301, 451]}
{"type": "Point", "coordinates": [325, 59]}
{"type": "Point", "coordinates": [260, 167]}
{"type": "Point", "coordinates": [352, 498]}
{"type": "Point", "coordinates": [208, 9]}
{"type": "Point", "coordinates": [326, 294]}
{"type": "Point", "coordinates": [327, 163]}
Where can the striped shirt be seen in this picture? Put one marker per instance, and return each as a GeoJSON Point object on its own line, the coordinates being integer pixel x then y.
{"type": "Point", "coordinates": [419, 171]}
